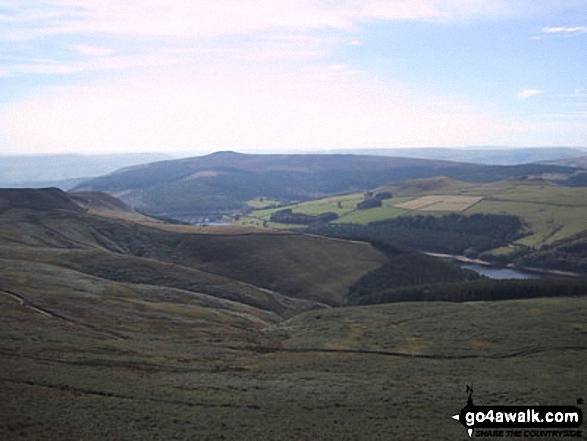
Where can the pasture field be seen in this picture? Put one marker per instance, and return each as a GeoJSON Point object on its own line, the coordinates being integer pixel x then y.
{"type": "Point", "coordinates": [262, 203]}
{"type": "Point", "coordinates": [387, 211]}
{"type": "Point", "coordinates": [347, 211]}
{"type": "Point", "coordinates": [545, 193]}
{"type": "Point", "coordinates": [547, 223]}
{"type": "Point", "coordinates": [450, 203]}
{"type": "Point", "coordinates": [551, 212]}
{"type": "Point", "coordinates": [347, 203]}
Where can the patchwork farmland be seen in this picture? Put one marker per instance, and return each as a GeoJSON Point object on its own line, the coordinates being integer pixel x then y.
{"type": "Point", "coordinates": [440, 203]}
{"type": "Point", "coordinates": [551, 212]}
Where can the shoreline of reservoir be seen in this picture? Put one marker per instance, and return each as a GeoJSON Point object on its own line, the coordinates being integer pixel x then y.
{"type": "Point", "coordinates": [510, 271]}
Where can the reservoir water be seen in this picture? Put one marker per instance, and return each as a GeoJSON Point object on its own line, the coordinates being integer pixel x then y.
{"type": "Point", "coordinates": [500, 273]}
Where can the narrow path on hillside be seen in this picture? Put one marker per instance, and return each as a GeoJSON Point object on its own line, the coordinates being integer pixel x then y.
{"type": "Point", "coordinates": [522, 352]}
{"type": "Point", "coordinates": [21, 301]}
{"type": "Point", "coordinates": [53, 315]}
{"type": "Point", "coordinates": [103, 394]}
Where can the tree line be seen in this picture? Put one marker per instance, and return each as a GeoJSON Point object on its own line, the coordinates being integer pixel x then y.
{"type": "Point", "coordinates": [450, 234]}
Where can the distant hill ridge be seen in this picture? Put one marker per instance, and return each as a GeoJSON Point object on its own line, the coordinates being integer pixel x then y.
{"type": "Point", "coordinates": [489, 155]}
{"type": "Point", "coordinates": [52, 199]}
{"type": "Point", "coordinates": [100, 201]}
{"type": "Point", "coordinates": [579, 162]}
{"type": "Point", "coordinates": [47, 199]}
{"type": "Point", "coordinates": [224, 181]}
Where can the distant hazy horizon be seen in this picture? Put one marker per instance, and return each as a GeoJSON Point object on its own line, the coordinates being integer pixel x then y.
{"type": "Point", "coordinates": [350, 150]}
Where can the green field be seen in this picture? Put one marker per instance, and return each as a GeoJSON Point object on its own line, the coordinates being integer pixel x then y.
{"type": "Point", "coordinates": [551, 212]}
{"type": "Point", "coordinates": [347, 211]}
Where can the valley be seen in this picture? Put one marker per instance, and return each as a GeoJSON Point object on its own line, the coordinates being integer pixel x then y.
{"type": "Point", "coordinates": [118, 325]}
{"type": "Point", "coordinates": [553, 218]}
{"type": "Point", "coordinates": [143, 365]}
{"type": "Point", "coordinates": [293, 221]}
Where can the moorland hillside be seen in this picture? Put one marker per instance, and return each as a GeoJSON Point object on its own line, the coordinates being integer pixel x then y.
{"type": "Point", "coordinates": [224, 182]}
{"type": "Point", "coordinates": [118, 327]}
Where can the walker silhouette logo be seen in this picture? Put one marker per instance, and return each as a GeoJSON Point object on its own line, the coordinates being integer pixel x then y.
{"type": "Point", "coordinates": [518, 421]}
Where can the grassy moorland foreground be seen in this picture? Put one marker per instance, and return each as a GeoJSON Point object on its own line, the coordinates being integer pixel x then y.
{"type": "Point", "coordinates": [147, 369]}
{"type": "Point", "coordinates": [117, 327]}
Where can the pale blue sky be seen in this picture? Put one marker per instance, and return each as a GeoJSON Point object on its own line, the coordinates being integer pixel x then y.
{"type": "Point", "coordinates": [198, 76]}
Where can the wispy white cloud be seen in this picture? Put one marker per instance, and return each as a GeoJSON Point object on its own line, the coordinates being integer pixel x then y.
{"type": "Point", "coordinates": [190, 19]}
{"type": "Point", "coordinates": [272, 30]}
{"type": "Point", "coordinates": [53, 67]}
{"type": "Point", "coordinates": [238, 108]}
{"type": "Point", "coordinates": [565, 30]}
{"type": "Point", "coordinates": [25, 21]}
{"type": "Point", "coordinates": [199, 20]}
{"type": "Point", "coordinates": [527, 93]}
{"type": "Point", "coordinates": [286, 47]}
{"type": "Point", "coordinates": [240, 75]}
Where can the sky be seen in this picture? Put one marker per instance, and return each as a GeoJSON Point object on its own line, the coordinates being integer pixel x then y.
{"type": "Point", "coordinates": [105, 76]}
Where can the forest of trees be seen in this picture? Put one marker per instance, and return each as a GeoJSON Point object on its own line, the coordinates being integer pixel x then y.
{"type": "Point", "coordinates": [569, 254]}
{"type": "Point", "coordinates": [450, 234]}
{"type": "Point", "coordinates": [287, 216]}
{"type": "Point", "coordinates": [406, 267]}
{"type": "Point", "coordinates": [475, 290]}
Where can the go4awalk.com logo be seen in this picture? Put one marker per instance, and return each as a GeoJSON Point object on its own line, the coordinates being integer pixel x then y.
{"type": "Point", "coordinates": [520, 421]}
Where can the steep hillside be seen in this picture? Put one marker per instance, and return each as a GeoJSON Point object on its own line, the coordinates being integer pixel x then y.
{"type": "Point", "coordinates": [223, 182]}
{"type": "Point", "coordinates": [134, 330]}
{"type": "Point", "coordinates": [44, 199]}
{"type": "Point", "coordinates": [99, 201]}
{"type": "Point", "coordinates": [275, 271]}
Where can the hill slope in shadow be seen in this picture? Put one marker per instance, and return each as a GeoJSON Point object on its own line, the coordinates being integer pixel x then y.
{"type": "Point", "coordinates": [277, 272]}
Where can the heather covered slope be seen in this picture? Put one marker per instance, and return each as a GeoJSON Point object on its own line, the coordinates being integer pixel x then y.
{"type": "Point", "coordinates": [117, 329]}
{"type": "Point", "coordinates": [224, 182]}
{"type": "Point", "coordinates": [139, 367]}
{"type": "Point", "coordinates": [43, 199]}
{"type": "Point", "coordinates": [258, 267]}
